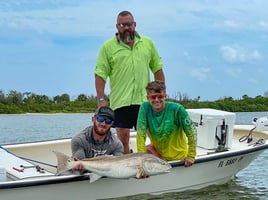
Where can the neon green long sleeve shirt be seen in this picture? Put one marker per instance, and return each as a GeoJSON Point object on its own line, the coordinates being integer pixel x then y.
{"type": "Point", "coordinates": [171, 131]}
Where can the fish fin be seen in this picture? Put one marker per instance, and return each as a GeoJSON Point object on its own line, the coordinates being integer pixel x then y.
{"type": "Point", "coordinates": [59, 172]}
{"type": "Point", "coordinates": [140, 172]}
{"type": "Point", "coordinates": [62, 160]}
{"type": "Point", "coordinates": [93, 177]}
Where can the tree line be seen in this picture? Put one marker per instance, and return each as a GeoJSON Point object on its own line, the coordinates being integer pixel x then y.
{"type": "Point", "coordinates": [16, 102]}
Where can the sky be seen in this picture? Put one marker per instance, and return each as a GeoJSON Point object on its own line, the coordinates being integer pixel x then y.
{"type": "Point", "coordinates": [210, 48]}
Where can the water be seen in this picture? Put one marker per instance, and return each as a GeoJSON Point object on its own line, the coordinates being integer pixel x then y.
{"type": "Point", "coordinates": [251, 183]}
{"type": "Point", "coordinates": [35, 127]}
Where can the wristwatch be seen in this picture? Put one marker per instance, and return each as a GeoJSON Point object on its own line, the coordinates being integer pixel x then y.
{"type": "Point", "coordinates": [101, 100]}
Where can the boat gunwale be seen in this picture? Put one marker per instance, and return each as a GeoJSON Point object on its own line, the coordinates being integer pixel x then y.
{"type": "Point", "coordinates": [42, 181]}
{"type": "Point", "coordinates": [222, 155]}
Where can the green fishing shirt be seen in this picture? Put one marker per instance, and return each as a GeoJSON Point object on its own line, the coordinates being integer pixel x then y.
{"type": "Point", "coordinates": [171, 131]}
{"type": "Point", "coordinates": [128, 69]}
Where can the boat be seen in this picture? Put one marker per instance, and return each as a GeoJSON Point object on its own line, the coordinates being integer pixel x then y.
{"type": "Point", "coordinates": [28, 170]}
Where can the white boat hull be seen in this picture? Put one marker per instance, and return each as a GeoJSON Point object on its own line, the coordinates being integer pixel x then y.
{"type": "Point", "coordinates": [210, 168]}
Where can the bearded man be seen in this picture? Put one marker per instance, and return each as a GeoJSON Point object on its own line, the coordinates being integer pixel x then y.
{"type": "Point", "coordinates": [127, 60]}
{"type": "Point", "coordinates": [97, 140]}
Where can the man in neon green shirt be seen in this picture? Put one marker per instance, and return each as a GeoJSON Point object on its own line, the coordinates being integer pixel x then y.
{"type": "Point", "coordinates": [171, 131]}
{"type": "Point", "coordinates": [126, 60]}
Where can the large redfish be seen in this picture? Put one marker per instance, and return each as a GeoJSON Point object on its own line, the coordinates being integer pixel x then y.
{"type": "Point", "coordinates": [126, 166]}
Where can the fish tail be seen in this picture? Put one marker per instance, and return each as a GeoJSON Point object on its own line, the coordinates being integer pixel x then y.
{"type": "Point", "coordinates": [62, 162]}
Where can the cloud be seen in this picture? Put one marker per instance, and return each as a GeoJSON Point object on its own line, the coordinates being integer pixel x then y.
{"type": "Point", "coordinates": [200, 73]}
{"type": "Point", "coordinates": [234, 72]}
{"type": "Point", "coordinates": [58, 17]}
{"type": "Point", "coordinates": [263, 24]}
{"type": "Point", "coordinates": [231, 24]}
{"type": "Point", "coordinates": [253, 81]}
{"type": "Point", "coordinates": [185, 54]}
{"type": "Point", "coordinates": [236, 54]}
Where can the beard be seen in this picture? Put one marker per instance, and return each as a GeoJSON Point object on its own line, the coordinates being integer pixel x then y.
{"type": "Point", "coordinates": [101, 131]}
{"type": "Point", "coordinates": [127, 36]}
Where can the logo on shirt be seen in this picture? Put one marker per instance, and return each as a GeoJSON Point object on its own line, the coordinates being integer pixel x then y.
{"type": "Point", "coordinates": [98, 152]}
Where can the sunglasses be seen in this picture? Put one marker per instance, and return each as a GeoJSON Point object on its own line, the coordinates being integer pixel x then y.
{"type": "Point", "coordinates": [154, 96]}
{"type": "Point", "coordinates": [102, 119]}
{"type": "Point", "coordinates": [128, 24]}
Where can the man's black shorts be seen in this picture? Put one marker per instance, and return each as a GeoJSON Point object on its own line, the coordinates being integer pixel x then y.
{"type": "Point", "coordinates": [126, 117]}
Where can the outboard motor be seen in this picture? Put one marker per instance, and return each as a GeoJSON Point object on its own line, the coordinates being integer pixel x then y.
{"type": "Point", "coordinates": [261, 123]}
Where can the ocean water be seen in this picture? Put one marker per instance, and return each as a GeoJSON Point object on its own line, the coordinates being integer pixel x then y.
{"type": "Point", "coordinates": [250, 183]}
